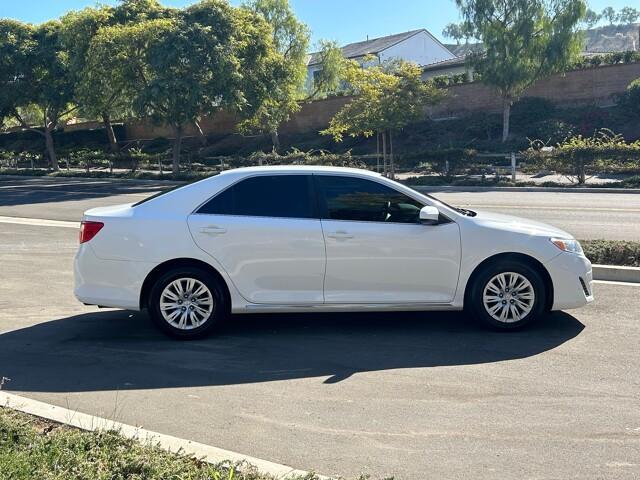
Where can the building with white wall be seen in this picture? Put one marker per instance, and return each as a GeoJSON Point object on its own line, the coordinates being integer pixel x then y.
{"type": "Point", "coordinates": [417, 46]}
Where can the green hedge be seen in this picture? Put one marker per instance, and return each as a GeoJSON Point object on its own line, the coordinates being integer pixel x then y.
{"type": "Point", "coordinates": [612, 252]}
{"type": "Point", "coordinates": [579, 156]}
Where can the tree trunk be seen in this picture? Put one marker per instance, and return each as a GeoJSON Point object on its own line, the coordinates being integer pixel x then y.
{"type": "Point", "coordinates": [506, 117]}
{"type": "Point", "coordinates": [177, 147]}
{"type": "Point", "coordinates": [51, 151]}
{"type": "Point", "coordinates": [113, 142]}
{"type": "Point", "coordinates": [384, 153]}
{"type": "Point", "coordinates": [275, 140]}
{"type": "Point", "coordinates": [393, 165]}
{"type": "Point", "coordinates": [582, 174]}
{"type": "Point", "coordinates": [378, 152]}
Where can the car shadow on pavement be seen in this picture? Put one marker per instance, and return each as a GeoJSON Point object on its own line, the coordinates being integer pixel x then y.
{"type": "Point", "coordinates": [119, 350]}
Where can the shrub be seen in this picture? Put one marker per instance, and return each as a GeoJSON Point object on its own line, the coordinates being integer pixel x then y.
{"type": "Point", "coordinates": [550, 131]}
{"type": "Point", "coordinates": [531, 109]}
{"type": "Point", "coordinates": [579, 156]}
{"type": "Point", "coordinates": [449, 161]}
{"type": "Point", "coordinates": [629, 101]}
{"type": "Point", "coordinates": [611, 252]}
{"type": "Point", "coordinates": [299, 157]}
{"type": "Point", "coordinates": [628, 56]}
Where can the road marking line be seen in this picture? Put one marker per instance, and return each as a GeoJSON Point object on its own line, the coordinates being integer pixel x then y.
{"type": "Point", "coordinates": [95, 194]}
{"type": "Point", "coordinates": [92, 423]}
{"type": "Point", "coordinates": [544, 207]}
{"type": "Point", "coordinates": [38, 222]}
{"type": "Point", "coordinates": [52, 185]}
{"type": "Point", "coordinates": [611, 282]}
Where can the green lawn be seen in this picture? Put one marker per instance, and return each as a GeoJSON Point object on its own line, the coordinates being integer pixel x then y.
{"type": "Point", "coordinates": [32, 448]}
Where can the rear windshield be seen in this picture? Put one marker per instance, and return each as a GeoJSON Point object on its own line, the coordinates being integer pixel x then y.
{"type": "Point", "coordinates": [159, 194]}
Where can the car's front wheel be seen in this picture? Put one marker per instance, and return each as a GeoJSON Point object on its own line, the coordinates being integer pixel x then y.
{"type": "Point", "coordinates": [187, 303]}
{"type": "Point", "coordinates": [507, 295]}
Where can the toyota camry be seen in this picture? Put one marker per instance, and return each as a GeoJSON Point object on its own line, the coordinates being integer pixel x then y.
{"type": "Point", "coordinates": [309, 239]}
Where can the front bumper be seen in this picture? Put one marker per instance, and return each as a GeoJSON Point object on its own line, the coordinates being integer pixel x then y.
{"type": "Point", "coordinates": [572, 281]}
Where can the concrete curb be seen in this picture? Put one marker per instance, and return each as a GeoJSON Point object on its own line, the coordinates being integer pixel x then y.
{"type": "Point", "coordinates": [614, 273]}
{"type": "Point", "coordinates": [87, 422]}
{"type": "Point", "coordinates": [428, 189]}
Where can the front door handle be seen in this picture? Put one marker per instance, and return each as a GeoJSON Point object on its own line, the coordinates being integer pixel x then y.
{"type": "Point", "coordinates": [213, 230]}
{"type": "Point", "coordinates": [340, 235]}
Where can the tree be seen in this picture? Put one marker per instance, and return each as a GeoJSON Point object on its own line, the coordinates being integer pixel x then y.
{"type": "Point", "coordinates": [37, 77]}
{"type": "Point", "coordinates": [455, 31]}
{"type": "Point", "coordinates": [386, 99]}
{"type": "Point", "coordinates": [591, 18]}
{"type": "Point", "coordinates": [630, 100]}
{"type": "Point", "coordinates": [102, 91]}
{"type": "Point", "coordinates": [629, 15]}
{"type": "Point", "coordinates": [99, 89]}
{"type": "Point", "coordinates": [135, 11]}
{"type": "Point", "coordinates": [189, 65]}
{"type": "Point", "coordinates": [329, 78]}
{"type": "Point", "coordinates": [287, 68]}
{"type": "Point", "coordinates": [610, 14]}
{"type": "Point", "coordinates": [524, 41]}
{"type": "Point", "coordinates": [16, 45]}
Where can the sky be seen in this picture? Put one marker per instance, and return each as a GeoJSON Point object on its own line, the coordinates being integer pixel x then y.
{"type": "Point", "coordinates": [344, 21]}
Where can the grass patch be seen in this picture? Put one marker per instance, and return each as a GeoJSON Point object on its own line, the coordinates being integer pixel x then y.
{"type": "Point", "coordinates": [32, 448]}
{"type": "Point", "coordinates": [612, 252]}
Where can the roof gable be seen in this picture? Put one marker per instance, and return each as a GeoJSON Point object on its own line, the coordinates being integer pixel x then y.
{"type": "Point", "coordinates": [368, 47]}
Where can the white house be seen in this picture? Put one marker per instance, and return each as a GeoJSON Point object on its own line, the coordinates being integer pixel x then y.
{"type": "Point", "coordinates": [417, 46]}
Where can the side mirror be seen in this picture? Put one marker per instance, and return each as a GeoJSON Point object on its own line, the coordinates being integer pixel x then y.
{"type": "Point", "coordinates": [429, 215]}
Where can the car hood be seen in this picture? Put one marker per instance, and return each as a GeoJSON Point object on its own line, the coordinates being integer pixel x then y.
{"type": "Point", "coordinates": [512, 223]}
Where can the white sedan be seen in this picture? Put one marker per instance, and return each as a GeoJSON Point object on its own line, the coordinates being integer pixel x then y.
{"type": "Point", "coordinates": [309, 239]}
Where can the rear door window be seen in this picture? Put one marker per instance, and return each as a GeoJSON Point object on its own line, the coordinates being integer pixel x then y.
{"type": "Point", "coordinates": [284, 196]}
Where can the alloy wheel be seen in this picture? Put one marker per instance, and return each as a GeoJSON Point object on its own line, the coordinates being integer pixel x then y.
{"type": "Point", "coordinates": [186, 303]}
{"type": "Point", "coordinates": [508, 297]}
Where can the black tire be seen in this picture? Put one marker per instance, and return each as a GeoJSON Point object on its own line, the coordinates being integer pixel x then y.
{"type": "Point", "coordinates": [475, 305]}
{"type": "Point", "coordinates": [216, 316]}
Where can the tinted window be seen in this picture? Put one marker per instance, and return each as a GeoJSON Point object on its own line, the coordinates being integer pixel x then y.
{"type": "Point", "coordinates": [265, 196]}
{"type": "Point", "coordinates": [349, 198]}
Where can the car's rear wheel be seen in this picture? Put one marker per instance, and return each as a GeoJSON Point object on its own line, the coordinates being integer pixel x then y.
{"type": "Point", "coordinates": [507, 295]}
{"type": "Point", "coordinates": [187, 303]}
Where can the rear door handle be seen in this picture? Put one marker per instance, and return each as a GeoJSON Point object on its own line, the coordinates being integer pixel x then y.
{"type": "Point", "coordinates": [213, 230]}
{"type": "Point", "coordinates": [340, 235]}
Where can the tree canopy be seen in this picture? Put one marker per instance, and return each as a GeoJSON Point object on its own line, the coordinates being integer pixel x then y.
{"type": "Point", "coordinates": [286, 69]}
{"type": "Point", "coordinates": [523, 40]}
{"type": "Point", "coordinates": [35, 77]}
{"type": "Point", "coordinates": [385, 99]}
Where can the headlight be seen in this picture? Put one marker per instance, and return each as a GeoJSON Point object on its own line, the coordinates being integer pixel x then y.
{"type": "Point", "coordinates": [567, 245]}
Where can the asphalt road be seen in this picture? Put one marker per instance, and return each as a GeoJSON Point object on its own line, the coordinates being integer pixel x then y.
{"type": "Point", "coordinates": [414, 395]}
{"type": "Point", "coordinates": [585, 215]}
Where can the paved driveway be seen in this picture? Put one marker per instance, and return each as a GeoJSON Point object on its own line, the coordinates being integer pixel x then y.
{"type": "Point", "coordinates": [412, 395]}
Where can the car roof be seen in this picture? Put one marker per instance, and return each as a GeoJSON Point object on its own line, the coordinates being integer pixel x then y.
{"type": "Point", "coordinates": [298, 169]}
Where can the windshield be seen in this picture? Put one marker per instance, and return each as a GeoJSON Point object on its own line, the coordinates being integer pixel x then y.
{"type": "Point", "coordinates": [463, 211]}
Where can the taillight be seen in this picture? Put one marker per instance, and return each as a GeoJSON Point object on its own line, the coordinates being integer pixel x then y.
{"type": "Point", "coordinates": [88, 230]}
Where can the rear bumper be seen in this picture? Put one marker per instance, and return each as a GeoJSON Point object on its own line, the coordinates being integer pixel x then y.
{"type": "Point", "coordinates": [108, 283]}
{"type": "Point", "coordinates": [572, 281]}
